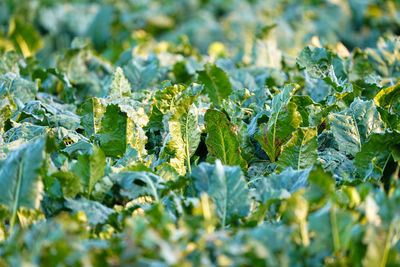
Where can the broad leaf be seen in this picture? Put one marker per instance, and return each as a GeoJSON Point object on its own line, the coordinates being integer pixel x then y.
{"type": "Point", "coordinates": [116, 131]}
{"type": "Point", "coordinates": [141, 72]}
{"type": "Point", "coordinates": [185, 135]}
{"type": "Point", "coordinates": [280, 186]}
{"type": "Point", "coordinates": [283, 121]}
{"type": "Point", "coordinates": [91, 112]}
{"type": "Point", "coordinates": [21, 90]}
{"type": "Point", "coordinates": [216, 83]}
{"type": "Point", "coordinates": [353, 126]}
{"type": "Point", "coordinates": [222, 139]}
{"type": "Point", "coordinates": [227, 188]}
{"type": "Point", "coordinates": [90, 168]}
{"type": "Point", "coordinates": [371, 160]}
{"type": "Point", "coordinates": [301, 151]}
{"type": "Point", "coordinates": [70, 183]}
{"type": "Point", "coordinates": [136, 184]}
{"type": "Point", "coordinates": [387, 96]}
{"type": "Point", "coordinates": [345, 130]}
{"type": "Point", "coordinates": [322, 64]}
{"type": "Point", "coordinates": [20, 184]}
{"type": "Point", "coordinates": [119, 85]}
{"type": "Point", "coordinates": [332, 227]}
{"type": "Point", "coordinates": [96, 213]}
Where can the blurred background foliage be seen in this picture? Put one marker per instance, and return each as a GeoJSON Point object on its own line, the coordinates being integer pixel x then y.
{"type": "Point", "coordinates": [44, 27]}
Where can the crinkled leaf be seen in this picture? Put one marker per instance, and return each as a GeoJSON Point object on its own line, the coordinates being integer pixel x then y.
{"type": "Point", "coordinates": [141, 73]}
{"type": "Point", "coordinates": [353, 126]}
{"type": "Point", "coordinates": [20, 89]}
{"type": "Point", "coordinates": [321, 64]}
{"type": "Point", "coordinates": [345, 130]}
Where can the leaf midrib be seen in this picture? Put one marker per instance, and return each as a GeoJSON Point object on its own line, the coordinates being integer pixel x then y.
{"type": "Point", "coordinates": [17, 193]}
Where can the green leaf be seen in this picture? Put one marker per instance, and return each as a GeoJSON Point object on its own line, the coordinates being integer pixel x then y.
{"type": "Point", "coordinates": [20, 89]}
{"type": "Point", "coordinates": [316, 61]}
{"type": "Point", "coordinates": [306, 107]}
{"type": "Point", "coordinates": [119, 85]}
{"type": "Point", "coordinates": [20, 184]}
{"type": "Point", "coordinates": [345, 130]}
{"type": "Point", "coordinates": [137, 120]}
{"type": "Point", "coordinates": [222, 139]}
{"type": "Point", "coordinates": [283, 121]}
{"type": "Point", "coordinates": [96, 213]}
{"type": "Point", "coordinates": [70, 183]}
{"type": "Point", "coordinates": [216, 83]}
{"type": "Point", "coordinates": [322, 64]}
{"type": "Point", "coordinates": [80, 147]}
{"type": "Point", "coordinates": [141, 72]}
{"type": "Point", "coordinates": [280, 186]}
{"type": "Point", "coordinates": [136, 184]}
{"type": "Point", "coordinates": [25, 37]}
{"type": "Point", "coordinates": [387, 96]}
{"type": "Point", "coordinates": [185, 135]}
{"type": "Point", "coordinates": [116, 131]}
{"type": "Point", "coordinates": [91, 112]}
{"type": "Point", "coordinates": [90, 168]}
{"type": "Point", "coordinates": [353, 126]}
{"type": "Point", "coordinates": [336, 162]}
{"type": "Point", "coordinates": [24, 132]}
{"type": "Point", "coordinates": [332, 229]}
{"type": "Point", "coordinates": [301, 151]}
{"type": "Point", "coordinates": [227, 188]}
{"type": "Point", "coordinates": [371, 160]}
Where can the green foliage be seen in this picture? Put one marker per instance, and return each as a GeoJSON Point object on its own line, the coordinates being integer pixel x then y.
{"type": "Point", "coordinates": [222, 139]}
{"type": "Point", "coordinates": [300, 152]}
{"type": "Point", "coordinates": [20, 178]}
{"type": "Point", "coordinates": [227, 188]}
{"type": "Point", "coordinates": [115, 131]}
{"type": "Point", "coordinates": [284, 120]}
{"type": "Point", "coordinates": [216, 83]}
{"type": "Point", "coordinates": [184, 134]}
{"type": "Point", "coordinates": [199, 133]}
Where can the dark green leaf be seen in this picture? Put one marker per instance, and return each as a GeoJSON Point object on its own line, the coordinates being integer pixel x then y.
{"type": "Point", "coordinates": [216, 83]}
{"type": "Point", "coordinates": [222, 139]}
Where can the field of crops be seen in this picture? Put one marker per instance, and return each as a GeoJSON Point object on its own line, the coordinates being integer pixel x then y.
{"type": "Point", "coordinates": [200, 133]}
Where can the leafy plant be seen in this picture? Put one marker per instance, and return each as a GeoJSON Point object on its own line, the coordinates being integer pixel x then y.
{"type": "Point", "coordinates": [199, 133]}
